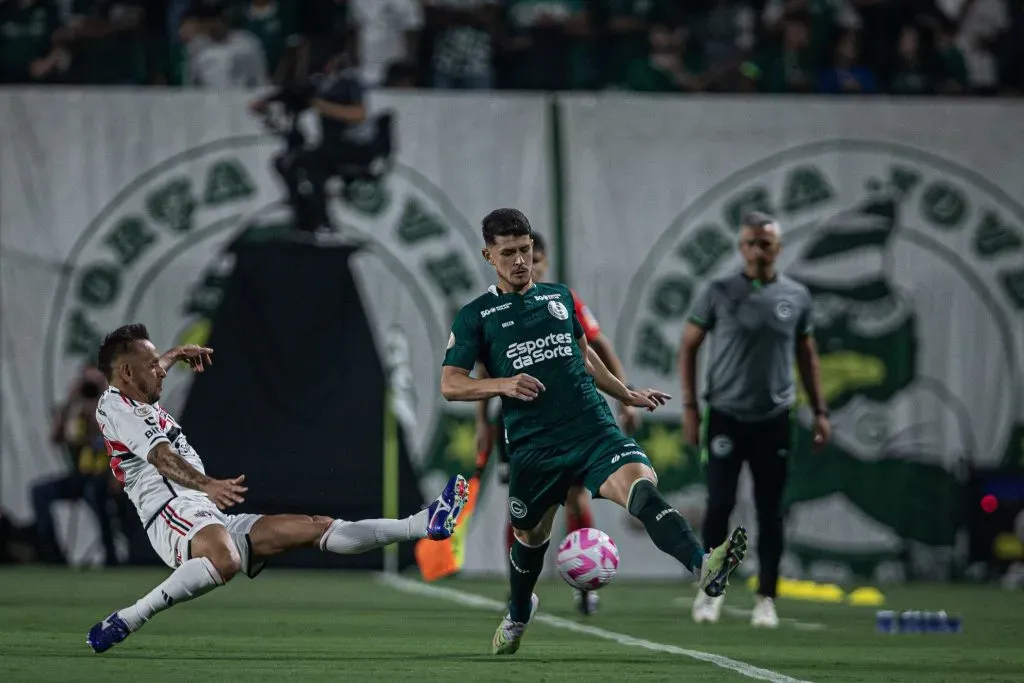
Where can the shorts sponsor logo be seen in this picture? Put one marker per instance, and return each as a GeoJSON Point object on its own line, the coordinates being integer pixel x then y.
{"type": "Point", "coordinates": [516, 508]}
{"type": "Point", "coordinates": [558, 310]}
{"type": "Point", "coordinates": [525, 354]}
{"type": "Point", "coordinates": [626, 454]}
{"type": "Point", "coordinates": [721, 446]}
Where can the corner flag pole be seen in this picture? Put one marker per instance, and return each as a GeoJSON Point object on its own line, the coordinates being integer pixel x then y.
{"type": "Point", "coordinates": [390, 479]}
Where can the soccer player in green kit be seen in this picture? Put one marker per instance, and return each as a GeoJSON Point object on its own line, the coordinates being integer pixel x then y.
{"type": "Point", "coordinates": [558, 428]}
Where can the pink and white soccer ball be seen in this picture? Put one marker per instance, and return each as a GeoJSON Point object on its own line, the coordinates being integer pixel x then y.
{"type": "Point", "coordinates": [587, 559]}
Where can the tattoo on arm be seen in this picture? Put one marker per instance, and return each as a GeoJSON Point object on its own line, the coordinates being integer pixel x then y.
{"type": "Point", "coordinates": [176, 468]}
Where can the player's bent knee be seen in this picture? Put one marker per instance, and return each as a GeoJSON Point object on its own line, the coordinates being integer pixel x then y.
{"type": "Point", "coordinates": [214, 543]}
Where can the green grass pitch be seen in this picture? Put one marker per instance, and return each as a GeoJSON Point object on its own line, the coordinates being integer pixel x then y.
{"type": "Point", "coordinates": [318, 625]}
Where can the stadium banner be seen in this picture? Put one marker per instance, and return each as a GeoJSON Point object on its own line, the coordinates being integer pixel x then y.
{"type": "Point", "coordinates": [119, 206]}
{"type": "Point", "coordinates": [905, 223]}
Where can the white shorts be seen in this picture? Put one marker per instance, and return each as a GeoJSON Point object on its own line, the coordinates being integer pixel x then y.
{"type": "Point", "coordinates": [172, 529]}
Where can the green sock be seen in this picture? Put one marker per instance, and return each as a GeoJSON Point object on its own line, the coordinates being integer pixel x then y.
{"type": "Point", "coordinates": [666, 527]}
{"type": "Point", "coordinates": [525, 564]}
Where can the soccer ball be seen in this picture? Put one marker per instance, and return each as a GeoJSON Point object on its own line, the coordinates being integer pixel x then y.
{"type": "Point", "coordinates": [587, 559]}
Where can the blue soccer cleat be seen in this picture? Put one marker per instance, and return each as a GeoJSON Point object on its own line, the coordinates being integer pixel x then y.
{"type": "Point", "coordinates": [721, 562]}
{"type": "Point", "coordinates": [443, 513]}
{"type": "Point", "coordinates": [107, 633]}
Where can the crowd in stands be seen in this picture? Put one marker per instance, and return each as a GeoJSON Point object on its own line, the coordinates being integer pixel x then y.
{"type": "Point", "coordinates": [905, 47]}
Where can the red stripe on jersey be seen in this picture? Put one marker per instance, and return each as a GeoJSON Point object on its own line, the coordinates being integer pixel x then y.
{"type": "Point", "coordinates": [124, 398]}
{"type": "Point", "coordinates": [115, 465]}
{"type": "Point", "coordinates": [115, 446]}
{"type": "Point", "coordinates": [179, 517]}
{"type": "Point", "coordinates": [587, 320]}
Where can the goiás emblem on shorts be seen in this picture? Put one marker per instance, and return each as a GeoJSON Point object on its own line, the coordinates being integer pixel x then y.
{"type": "Point", "coordinates": [558, 310]}
{"type": "Point", "coordinates": [516, 508]}
{"type": "Point", "coordinates": [721, 446]}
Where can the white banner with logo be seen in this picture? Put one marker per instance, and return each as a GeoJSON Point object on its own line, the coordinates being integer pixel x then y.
{"type": "Point", "coordinates": [906, 224]}
{"type": "Point", "coordinates": [118, 207]}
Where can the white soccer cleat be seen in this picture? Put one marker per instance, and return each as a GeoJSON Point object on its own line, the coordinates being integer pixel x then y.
{"type": "Point", "coordinates": [764, 614]}
{"type": "Point", "coordinates": [706, 609]}
{"type": "Point", "coordinates": [509, 635]}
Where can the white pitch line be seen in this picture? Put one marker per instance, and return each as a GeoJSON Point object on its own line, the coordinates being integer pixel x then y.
{"type": "Point", "coordinates": [480, 602]}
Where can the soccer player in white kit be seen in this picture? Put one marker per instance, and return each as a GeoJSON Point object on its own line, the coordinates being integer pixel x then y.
{"type": "Point", "coordinates": [182, 508]}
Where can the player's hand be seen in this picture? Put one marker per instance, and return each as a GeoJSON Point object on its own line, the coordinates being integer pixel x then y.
{"type": "Point", "coordinates": [226, 492]}
{"type": "Point", "coordinates": [196, 356]}
{"type": "Point", "coordinates": [630, 419]}
{"type": "Point", "coordinates": [650, 399]}
{"type": "Point", "coordinates": [691, 425]}
{"type": "Point", "coordinates": [522, 386]}
{"type": "Point", "coordinates": [822, 433]}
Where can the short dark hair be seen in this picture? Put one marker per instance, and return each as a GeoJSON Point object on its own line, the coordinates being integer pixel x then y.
{"type": "Point", "coordinates": [539, 244]}
{"type": "Point", "coordinates": [118, 343]}
{"type": "Point", "coordinates": [505, 222]}
{"type": "Point", "coordinates": [757, 219]}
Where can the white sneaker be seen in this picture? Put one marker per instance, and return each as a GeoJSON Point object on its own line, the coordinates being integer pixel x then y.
{"type": "Point", "coordinates": [707, 609]}
{"type": "Point", "coordinates": [764, 614]}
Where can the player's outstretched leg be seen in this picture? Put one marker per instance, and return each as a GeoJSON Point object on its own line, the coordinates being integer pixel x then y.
{"type": "Point", "coordinates": [215, 563]}
{"type": "Point", "coordinates": [526, 560]}
{"type": "Point", "coordinates": [633, 487]}
{"type": "Point", "coordinates": [436, 522]}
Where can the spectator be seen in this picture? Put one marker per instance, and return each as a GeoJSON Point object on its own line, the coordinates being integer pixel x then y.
{"type": "Point", "coordinates": [666, 67]}
{"type": "Point", "coordinates": [548, 43]}
{"type": "Point", "coordinates": [107, 42]}
{"type": "Point", "coordinates": [75, 429]}
{"type": "Point", "coordinates": [727, 37]}
{"type": "Point", "coordinates": [327, 29]}
{"type": "Point", "coordinates": [464, 32]}
{"type": "Point", "coordinates": [274, 26]}
{"type": "Point", "coordinates": [825, 20]}
{"type": "Point", "coordinates": [788, 68]}
{"type": "Point", "coordinates": [911, 75]}
{"type": "Point", "coordinates": [220, 57]}
{"type": "Point", "coordinates": [626, 36]}
{"type": "Point", "coordinates": [847, 75]}
{"type": "Point", "coordinates": [28, 51]}
{"type": "Point", "coordinates": [387, 31]}
{"type": "Point", "coordinates": [980, 25]}
{"type": "Point", "coordinates": [951, 68]}
{"type": "Point", "coordinates": [1013, 63]}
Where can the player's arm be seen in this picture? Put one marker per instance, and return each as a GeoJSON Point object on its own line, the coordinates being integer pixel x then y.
{"type": "Point", "coordinates": [223, 492]}
{"type": "Point", "coordinates": [693, 338]}
{"type": "Point", "coordinates": [611, 385]}
{"type": "Point", "coordinates": [464, 351]}
{"type": "Point", "coordinates": [196, 356]}
{"type": "Point", "coordinates": [602, 346]}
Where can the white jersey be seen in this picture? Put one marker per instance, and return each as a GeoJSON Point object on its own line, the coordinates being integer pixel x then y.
{"type": "Point", "coordinates": [130, 430]}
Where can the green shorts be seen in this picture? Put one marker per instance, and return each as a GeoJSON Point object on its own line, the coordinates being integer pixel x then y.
{"type": "Point", "coordinates": [540, 478]}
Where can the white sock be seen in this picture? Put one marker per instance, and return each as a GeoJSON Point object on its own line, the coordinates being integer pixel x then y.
{"type": "Point", "coordinates": [192, 579]}
{"type": "Point", "coordinates": [352, 538]}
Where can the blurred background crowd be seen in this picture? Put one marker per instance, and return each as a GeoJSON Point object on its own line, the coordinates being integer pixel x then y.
{"type": "Point", "coordinates": [903, 47]}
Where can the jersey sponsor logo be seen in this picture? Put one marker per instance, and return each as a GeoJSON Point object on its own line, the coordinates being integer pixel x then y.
{"type": "Point", "coordinates": [508, 323]}
{"type": "Point", "coordinates": [495, 309]}
{"type": "Point", "coordinates": [900, 250]}
{"type": "Point", "coordinates": [558, 310]}
{"type": "Point", "coordinates": [547, 297]}
{"type": "Point", "coordinates": [525, 354]}
{"type": "Point", "coordinates": [516, 508]}
{"type": "Point", "coordinates": [159, 251]}
{"type": "Point", "coordinates": [783, 310]}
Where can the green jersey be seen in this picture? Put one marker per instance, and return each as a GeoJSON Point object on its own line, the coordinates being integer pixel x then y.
{"type": "Point", "coordinates": [536, 333]}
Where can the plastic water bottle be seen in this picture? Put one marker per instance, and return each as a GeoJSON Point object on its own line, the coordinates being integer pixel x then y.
{"type": "Point", "coordinates": [885, 621]}
{"type": "Point", "coordinates": [935, 622]}
{"type": "Point", "coordinates": [910, 621]}
{"type": "Point", "coordinates": [954, 624]}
